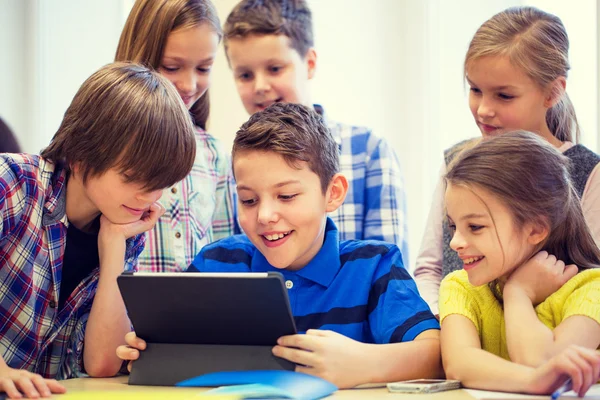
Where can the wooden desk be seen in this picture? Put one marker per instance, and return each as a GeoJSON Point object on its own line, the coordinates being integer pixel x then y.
{"type": "Point", "coordinates": [119, 386]}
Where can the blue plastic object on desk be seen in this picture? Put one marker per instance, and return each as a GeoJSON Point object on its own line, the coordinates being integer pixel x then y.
{"type": "Point", "coordinates": [258, 384]}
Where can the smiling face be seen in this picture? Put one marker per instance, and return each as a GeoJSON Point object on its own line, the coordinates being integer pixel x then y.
{"type": "Point", "coordinates": [267, 69]}
{"type": "Point", "coordinates": [187, 60]}
{"type": "Point", "coordinates": [503, 98]}
{"type": "Point", "coordinates": [110, 194]}
{"type": "Point", "coordinates": [486, 237]}
{"type": "Point", "coordinates": [282, 209]}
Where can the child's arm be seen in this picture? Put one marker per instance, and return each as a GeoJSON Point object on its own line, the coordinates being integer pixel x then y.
{"type": "Point", "coordinates": [476, 368]}
{"type": "Point", "coordinates": [428, 267]}
{"type": "Point", "coordinates": [529, 341]}
{"type": "Point", "coordinates": [18, 382]}
{"type": "Point", "coordinates": [108, 322]}
{"type": "Point", "coordinates": [348, 363]}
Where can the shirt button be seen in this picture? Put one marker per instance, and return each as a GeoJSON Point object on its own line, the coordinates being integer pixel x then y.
{"type": "Point", "coordinates": [52, 304]}
{"type": "Point", "coordinates": [177, 235]}
{"type": "Point", "coordinates": [173, 190]}
{"type": "Point", "coordinates": [289, 284]}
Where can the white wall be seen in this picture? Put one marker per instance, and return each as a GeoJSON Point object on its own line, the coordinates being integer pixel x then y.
{"type": "Point", "coordinates": [393, 65]}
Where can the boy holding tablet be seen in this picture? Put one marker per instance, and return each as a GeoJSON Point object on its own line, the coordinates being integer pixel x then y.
{"type": "Point", "coordinates": [360, 314]}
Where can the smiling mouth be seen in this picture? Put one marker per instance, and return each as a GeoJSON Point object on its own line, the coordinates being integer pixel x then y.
{"type": "Point", "coordinates": [276, 236]}
{"type": "Point", "coordinates": [268, 103]}
{"type": "Point", "coordinates": [472, 260]}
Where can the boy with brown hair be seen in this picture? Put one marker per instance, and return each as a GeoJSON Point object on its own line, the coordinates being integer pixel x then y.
{"type": "Point", "coordinates": [73, 218]}
{"type": "Point", "coordinates": [359, 314]}
{"type": "Point", "coordinates": [270, 48]}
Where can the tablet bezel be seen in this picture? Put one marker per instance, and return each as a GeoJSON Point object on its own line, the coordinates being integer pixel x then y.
{"type": "Point", "coordinates": [208, 308]}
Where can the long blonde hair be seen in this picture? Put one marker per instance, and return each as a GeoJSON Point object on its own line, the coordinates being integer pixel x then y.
{"type": "Point", "coordinates": [148, 26]}
{"type": "Point", "coordinates": [536, 42]}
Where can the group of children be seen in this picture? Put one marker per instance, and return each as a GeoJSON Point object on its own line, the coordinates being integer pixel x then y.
{"type": "Point", "coordinates": [319, 201]}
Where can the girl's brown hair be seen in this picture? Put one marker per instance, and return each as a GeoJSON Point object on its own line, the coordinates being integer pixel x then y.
{"type": "Point", "coordinates": [148, 26]}
{"type": "Point", "coordinates": [536, 42]}
{"type": "Point", "coordinates": [532, 179]}
{"type": "Point", "coordinates": [127, 117]}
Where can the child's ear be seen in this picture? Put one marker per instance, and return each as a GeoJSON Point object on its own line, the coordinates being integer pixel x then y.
{"type": "Point", "coordinates": [556, 90]}
{"type": "Point", "coordinates": [336, 192]}
{"type": "Point", "coordinates": [536, 232]}
{"type": "Point", "coordinates": [311, 62]}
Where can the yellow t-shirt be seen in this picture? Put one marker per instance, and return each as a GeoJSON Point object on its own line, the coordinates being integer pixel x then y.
{"type": "Point", "coordinates": [579, 296]}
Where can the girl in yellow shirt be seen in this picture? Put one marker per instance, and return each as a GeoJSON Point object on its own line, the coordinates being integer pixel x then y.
{"type": "Point", "coordinates": [524, 313]}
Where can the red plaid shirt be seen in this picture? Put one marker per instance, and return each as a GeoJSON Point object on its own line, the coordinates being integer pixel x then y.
{"type": "Point", "coordinates": [34, 334]}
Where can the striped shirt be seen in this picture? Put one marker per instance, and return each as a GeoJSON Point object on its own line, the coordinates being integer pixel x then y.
{"type": "Point", "coordinates": [199, 210]}
{"type": "Point", "coordinates": [34, 334]}
{"type": "Point", "coordinates": [357, 288]}
{"type": "Point", "coordinates": [375, 206]}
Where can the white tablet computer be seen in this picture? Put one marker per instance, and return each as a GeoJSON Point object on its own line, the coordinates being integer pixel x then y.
{"type": "Point", "coordinates": [196, 323]}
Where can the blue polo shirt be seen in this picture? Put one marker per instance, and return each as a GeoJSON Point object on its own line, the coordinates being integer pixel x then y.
{"type": "Point", "coordinates": [358, 288]}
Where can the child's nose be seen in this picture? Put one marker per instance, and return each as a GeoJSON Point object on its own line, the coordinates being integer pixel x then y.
{"type": "Point", "coordinates": [485, 109]}
{"type": "Point", "coordinates": [267, 213]}
{"type": "Point", "coordinates": [187, 83]}
{"type": "Point", "coordinates": [261, 84]}
{"type": "Point", "coordinates": [458, 242]}
{"type": "Point", "coordinates": [150, 197]}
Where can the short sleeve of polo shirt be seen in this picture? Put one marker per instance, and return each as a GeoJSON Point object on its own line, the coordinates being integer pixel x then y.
{"type": "Point", "coordinates": [397, 313]}
{"type": "Point", "coordinates": [457, 298]}
{"type": "Point", "coordinates": [585, 299]}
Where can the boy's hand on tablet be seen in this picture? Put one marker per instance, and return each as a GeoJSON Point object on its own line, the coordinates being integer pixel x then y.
{"type": "Point", "coordinates": [540, 276]}
{"type": "Point", "coordinates": [328, 355]}
{"type": "Point", "coordinates": [131, 351]}
{"type": "Point", "coordinates": [580, 364]}
{"type": "Point", "coordinates": [17, 383]}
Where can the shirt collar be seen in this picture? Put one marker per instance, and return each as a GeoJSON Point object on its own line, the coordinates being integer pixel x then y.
{"type": "Point", "coordinates": [56, 201]}
{"type": "Point", "coordinates": [322, 269]}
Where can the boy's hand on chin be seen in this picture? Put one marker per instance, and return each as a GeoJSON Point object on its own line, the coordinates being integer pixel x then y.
{"type": "Point", "coordinates": [326, 354]}
{"type": "Point", "coordinates": [540, 276]}
{"type": "Point", "coordinates": [144, 224]}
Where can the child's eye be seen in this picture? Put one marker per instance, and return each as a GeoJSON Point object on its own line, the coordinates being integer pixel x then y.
{"type": "Point", "coordinates": [475, 90]}
{"type": "Point", "coordinates": [204, 70]}
{"type": "Point", "coordinates": [275, 69]}
{"type": "Point", "coordinates": [287, 197]}
{"type": "Point", "coordinates": [245, 76]}
{"type": "Point", "coordinates": [475, 228]}
{"type": "Point", "coordinates": [248, 203]}
{"type": "Point", "coordinates": [452, 227]}
{"type": "Point", "coordinates": [169, 69]}
{"type": "Point", "coordinates": [505, 96]}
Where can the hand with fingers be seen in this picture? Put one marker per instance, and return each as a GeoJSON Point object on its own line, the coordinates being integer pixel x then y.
{"type": "Point", "coordinates": [539, 277]}
{"type": "Point", "coordinates": [131, 351]}
{"type": "Point", "coordinates": [125, 231]}
{"type": "Point", "coordinates": [326, 354]}
{"type": "Point", "coordinates": [18, 383]}
{"type": "Point", "coordinates": [580, 364]}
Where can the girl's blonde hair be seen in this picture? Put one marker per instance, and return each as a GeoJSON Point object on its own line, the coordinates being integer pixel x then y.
{"type": "Point", "coordinates": [148, 26]}
{"type": "Point", "coordinates": [536, 42]}
{"type": "Point", "coordinates": [532, 179]}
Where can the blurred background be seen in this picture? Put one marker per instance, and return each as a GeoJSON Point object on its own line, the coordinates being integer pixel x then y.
{"type": "Point", "coordinates": [393, 65]}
